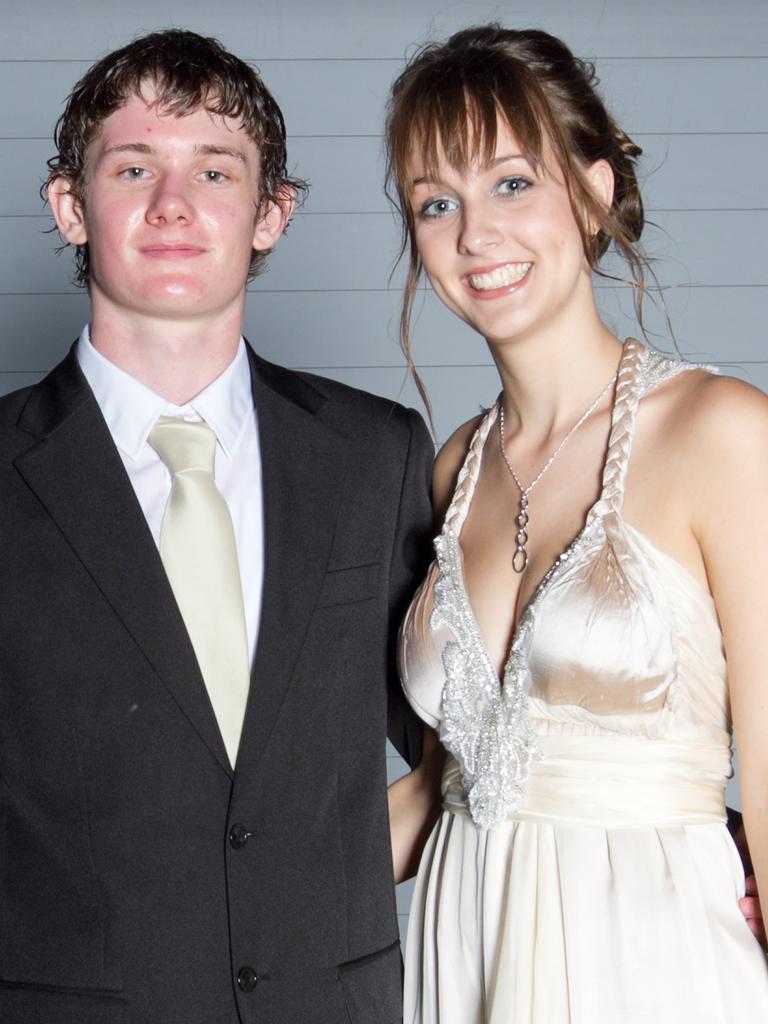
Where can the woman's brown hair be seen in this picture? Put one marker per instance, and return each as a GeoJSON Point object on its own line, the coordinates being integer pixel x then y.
{"type": "Point", "coordinates": [447, 102]}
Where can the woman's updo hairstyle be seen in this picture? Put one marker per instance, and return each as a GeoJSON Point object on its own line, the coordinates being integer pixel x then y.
{"type": "Point", "coordinates": [446, 102]}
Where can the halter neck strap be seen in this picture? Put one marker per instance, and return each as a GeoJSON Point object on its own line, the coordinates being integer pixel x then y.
{"type": "Point", "coordinates": [641, 370]}
{"type": "Point", "coordinates": [468, 474]}
{"type": "Point", "coordinates": [623, 415]}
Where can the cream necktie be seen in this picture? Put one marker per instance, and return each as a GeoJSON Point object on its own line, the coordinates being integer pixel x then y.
{"type": "Point", "coordinates": [197, 546]}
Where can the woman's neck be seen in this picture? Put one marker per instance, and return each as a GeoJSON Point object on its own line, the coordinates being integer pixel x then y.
{"type": "Point", "coordinates": [549, 378]}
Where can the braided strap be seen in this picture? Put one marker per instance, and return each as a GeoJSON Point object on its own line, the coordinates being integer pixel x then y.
{"type": "Point", "coordinates": [642, 370]}
{"type": "Point", "coordinates": [468, 474]}
{"type": "Point", "coordinates": [623, 425]}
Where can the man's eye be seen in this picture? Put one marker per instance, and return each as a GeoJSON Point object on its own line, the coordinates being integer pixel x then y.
{"type": "Point", "coordinates": [438, 207]}
{"type": "Point", "coordinates": [133, 173]}
{"type": "Point", "coordinates": [214, 176]}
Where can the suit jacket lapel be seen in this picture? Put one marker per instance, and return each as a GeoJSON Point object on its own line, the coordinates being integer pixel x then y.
{"type": "Point", "coordinates": [303, 466]}
{"type": "Point", "coordinates": [76, 472]}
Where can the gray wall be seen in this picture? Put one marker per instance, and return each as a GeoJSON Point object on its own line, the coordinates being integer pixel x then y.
{"type": "Point", "coordinates": [687, 78]}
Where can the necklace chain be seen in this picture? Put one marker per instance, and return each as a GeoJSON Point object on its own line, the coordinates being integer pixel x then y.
{"type": "Point", "coordinates": [520, 557]}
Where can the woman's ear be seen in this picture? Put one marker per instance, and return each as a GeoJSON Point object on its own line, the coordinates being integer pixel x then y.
{"type": "Point", "coordinates": [601, 182]}
{"type": "Point", "coordinates": [68, 211]}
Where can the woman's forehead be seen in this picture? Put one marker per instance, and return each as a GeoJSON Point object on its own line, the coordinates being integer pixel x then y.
{"type": "Point", "coordinates": [471, 145]}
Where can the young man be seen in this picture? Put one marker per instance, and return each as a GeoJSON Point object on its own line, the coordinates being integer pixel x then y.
{"type": "Point", "coordinates": [203, 560]}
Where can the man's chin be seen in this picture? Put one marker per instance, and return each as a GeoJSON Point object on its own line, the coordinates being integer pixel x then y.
{"type": "Point", "coordinates": [177, 300]}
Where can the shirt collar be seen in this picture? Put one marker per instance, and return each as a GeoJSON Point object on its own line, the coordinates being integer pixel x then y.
{"type": "Point", "coordinates": [131, 409]}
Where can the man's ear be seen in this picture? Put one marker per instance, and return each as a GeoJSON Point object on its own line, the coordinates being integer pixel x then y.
{"type": "Point", "coordinates": [67, 211]}
{"type": "Point", "coordinates": [272, 219]}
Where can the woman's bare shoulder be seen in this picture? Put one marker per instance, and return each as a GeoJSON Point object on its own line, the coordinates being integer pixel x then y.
{"type": "Point", "coordinates": [449, 461]}
{"type": "Point", "coordinates": [716, 412]}
{"type": "Point", "coordinates": [715, 435]}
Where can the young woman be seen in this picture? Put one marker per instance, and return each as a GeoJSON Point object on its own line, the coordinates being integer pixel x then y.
{"type": "Point", "coordinates": [603, 548]}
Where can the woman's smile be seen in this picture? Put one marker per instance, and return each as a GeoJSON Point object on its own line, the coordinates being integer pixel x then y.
{"type": "Point", "coordinates": [497, 280]}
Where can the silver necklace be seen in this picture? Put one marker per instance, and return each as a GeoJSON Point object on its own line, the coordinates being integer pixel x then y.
{"type": "Point", "coordinates": [520, 557]}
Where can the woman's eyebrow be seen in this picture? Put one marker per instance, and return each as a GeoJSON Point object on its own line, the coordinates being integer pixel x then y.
{"type": "Point", "coordinates": [503, 159]}
{"type": "Point", "coordinates": [427, 179]}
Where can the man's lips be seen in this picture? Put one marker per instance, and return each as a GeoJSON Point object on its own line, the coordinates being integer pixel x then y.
{"type": "Point", "coordinates": [498, 279]}
{"type": "Point", "coordinates": [171, 251]}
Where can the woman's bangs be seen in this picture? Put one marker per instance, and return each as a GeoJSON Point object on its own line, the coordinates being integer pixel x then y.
{"type": "Point", "coordinates": [460, 125]}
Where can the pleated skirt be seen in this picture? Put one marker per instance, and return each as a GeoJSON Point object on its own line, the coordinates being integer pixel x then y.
{"type": "Point", "coordinates": [562, 923]}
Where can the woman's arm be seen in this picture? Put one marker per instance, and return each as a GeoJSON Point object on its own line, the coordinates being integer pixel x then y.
{"type": "Point", "coordinates": [731, 524]}
{"type": "Point", "coordinates": [414, 807]}
{"type": "Point", "coordinates": [414, 800]}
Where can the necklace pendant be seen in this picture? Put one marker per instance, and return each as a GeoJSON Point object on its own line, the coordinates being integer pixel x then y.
{"type": "Point", "coordinates": [520, 557]}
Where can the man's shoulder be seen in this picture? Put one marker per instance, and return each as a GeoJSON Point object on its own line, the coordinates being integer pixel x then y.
{"type": "Point", "coordinates": [345, 400]}
{"type": "Point", "coordinates": [38, 408]}
{"type": "Point", "coordinates": [347, 408]}
{"type": "Point", "coordinates": [12, 404]}
{"type": "Point", "coordinates": [15, 435]}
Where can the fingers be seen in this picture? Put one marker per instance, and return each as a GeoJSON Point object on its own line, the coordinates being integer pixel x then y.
{"type": "Point", "coordinates": [750, 908]}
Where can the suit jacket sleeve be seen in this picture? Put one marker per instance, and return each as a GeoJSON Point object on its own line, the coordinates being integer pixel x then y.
{"type": "Point", "coordinates": [411, 555]}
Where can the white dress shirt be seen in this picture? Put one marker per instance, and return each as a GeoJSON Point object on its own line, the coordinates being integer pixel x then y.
{"type": "Point", "coordinates": [131, 409]}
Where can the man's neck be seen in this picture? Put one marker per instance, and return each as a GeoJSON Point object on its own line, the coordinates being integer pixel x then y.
{"type": "Point", "coordinates": [175, 359]}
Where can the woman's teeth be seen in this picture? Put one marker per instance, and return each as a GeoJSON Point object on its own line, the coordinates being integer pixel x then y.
{"type": "Point", "coordinates": [500, 277]}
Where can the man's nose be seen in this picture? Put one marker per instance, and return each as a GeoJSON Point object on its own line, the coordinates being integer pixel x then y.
{"type": "Point", "coordinates": [170, 202]}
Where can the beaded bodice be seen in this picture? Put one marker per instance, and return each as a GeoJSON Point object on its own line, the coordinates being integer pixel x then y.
{"type": "Point", "coordinates": [603, 646]}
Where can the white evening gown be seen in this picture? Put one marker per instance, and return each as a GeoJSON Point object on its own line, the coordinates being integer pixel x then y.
{"type": "Point", "coordinates": [581, 871]}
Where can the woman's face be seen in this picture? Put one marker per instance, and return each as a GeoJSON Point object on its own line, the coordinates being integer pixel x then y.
{"type": "Point", "coordinates": [500, 243]}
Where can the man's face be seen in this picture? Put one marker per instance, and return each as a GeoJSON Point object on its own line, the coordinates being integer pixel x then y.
{"type": "Point", "coordinates": [170, 213]}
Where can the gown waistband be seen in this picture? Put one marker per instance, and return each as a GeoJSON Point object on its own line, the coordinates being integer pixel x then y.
{"type": "Point", "coordinates": [615, 782]}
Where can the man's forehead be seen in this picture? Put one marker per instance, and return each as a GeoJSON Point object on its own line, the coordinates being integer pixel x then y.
{"type": "Point", "coordinates": [144, 123]}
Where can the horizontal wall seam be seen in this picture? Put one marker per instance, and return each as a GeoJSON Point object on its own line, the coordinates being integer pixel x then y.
{"type": "Point", "coordinates": [323, 368]}
{"type": "Point", "coordinates": [401, 60]}
{"type": "Point", "coordinates": [390, 213]}
{"type": "Point", "coordinates": [634, 135]}
{"type": "Point", "coordinates": [397, 291]}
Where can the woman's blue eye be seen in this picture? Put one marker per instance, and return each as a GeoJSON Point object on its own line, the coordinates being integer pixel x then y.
{"type": "Point", "coordinates": [438, 207]}
{"type": "Point", "coordinates": [514, 186]}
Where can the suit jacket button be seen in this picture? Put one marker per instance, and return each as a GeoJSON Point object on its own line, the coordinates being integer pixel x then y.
{"type": "Point", "coordinates": [246, 979]}
{"type": "Point", "coordinates": [238, 836]}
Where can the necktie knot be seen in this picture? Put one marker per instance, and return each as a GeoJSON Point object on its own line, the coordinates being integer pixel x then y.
{"type": "Point", "coordinates": [183, 445]}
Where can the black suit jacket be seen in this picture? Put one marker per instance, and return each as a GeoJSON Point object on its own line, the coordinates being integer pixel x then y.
{"type": "Point", "coordinates": [139, 877]}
